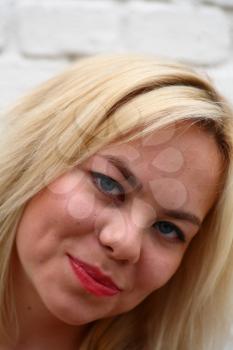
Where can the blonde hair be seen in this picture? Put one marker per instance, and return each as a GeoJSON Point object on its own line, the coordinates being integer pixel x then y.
{"type": "Point", "coordinates": [96, 101]}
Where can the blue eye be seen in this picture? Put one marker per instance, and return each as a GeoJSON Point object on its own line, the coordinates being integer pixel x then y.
{"type": "Point", "coordinates": [108, 185]}
{"type": "Point", "coordinates": [169, 230]}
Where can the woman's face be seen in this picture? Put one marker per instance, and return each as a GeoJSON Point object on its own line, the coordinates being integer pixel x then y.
{"type": "Point", "coordinates": [134, 231]}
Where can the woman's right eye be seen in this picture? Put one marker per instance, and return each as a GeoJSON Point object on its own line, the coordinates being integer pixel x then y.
{"type": "Point", "coordinates": [108, 186]}
{"type": "Point", "coordinates": [169, 231]}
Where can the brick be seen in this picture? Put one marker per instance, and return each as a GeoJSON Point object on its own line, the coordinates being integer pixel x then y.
{"type": "Point", "coordinates": [19, 76]}
{"type": "Point", "coordinates": [223, 80]}
{"type": "Point", "coordinates": [227, 3]}
{"type": "Point", "coordinates": [184, 2]}
{"type": "Point", "coordinates": [3, 23]}
{"type": "Point", "coordinates": [49, 28]}
{"type": "Point", "coordinates": [198, 34]}
{"type": "Point", "coordinates": [230, 19]}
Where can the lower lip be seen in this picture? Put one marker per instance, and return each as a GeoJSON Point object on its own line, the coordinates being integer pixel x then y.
{"type": "Point", "coordinates": [89, 283]}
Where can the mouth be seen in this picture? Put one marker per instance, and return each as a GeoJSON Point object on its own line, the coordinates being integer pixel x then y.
{"type": "Point", "coordinates": [92, 279]}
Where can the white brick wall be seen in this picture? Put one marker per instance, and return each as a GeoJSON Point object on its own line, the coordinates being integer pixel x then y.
{"type": "Point", "coordinates": [18, 75]}
{"type": "Point", "coordinates": [3, 22]}
{"type": "Point", "coordinates": [39, 38]}
{"type": "Point", "coordinates": [195, 33]}
{"type": "Point", "coordinates": [220, 2]}
{"type": "Point", "coordinates": [49, 28]}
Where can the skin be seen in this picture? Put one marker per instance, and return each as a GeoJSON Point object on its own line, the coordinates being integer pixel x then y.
{"type": "Point", "coordinates": [73, 215]}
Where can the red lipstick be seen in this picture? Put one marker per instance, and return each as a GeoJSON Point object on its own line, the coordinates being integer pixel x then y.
{"type": "Point", "coordinates": [93, 279]}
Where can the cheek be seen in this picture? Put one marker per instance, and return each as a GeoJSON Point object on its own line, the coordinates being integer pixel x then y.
{"type": "Point", "coordinates": [52, 222]}
{"type": "Point", "coordinates": [72, 197]}
{"type": "Point", "coordinates": [34, 241]}
{"type": "Point", "coordinates": [155, 271]}
{"type": "Point", "coordinates": [81, 206]}
{"type": "Point", "coordinates": [158, 267]}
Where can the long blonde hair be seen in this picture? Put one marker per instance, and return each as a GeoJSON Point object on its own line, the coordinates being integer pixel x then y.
{"type": "Point", "coordinates": [94, 102]}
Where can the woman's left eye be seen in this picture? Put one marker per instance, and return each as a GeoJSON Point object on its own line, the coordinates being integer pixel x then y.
{"type": "Point", "coordinates": [108, 186]}
{"type": "Point", "coordinates": [169, 230]}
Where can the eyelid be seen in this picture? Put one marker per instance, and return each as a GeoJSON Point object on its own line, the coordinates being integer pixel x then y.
{"type": "Point", "coordinates": [96, 174]}
{"type": "Point", "coordinates": [118, 175]}
{"type": "Point", "coordinates": [181, 237]}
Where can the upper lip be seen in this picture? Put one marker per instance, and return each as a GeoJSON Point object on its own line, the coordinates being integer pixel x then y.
{"type": "Point", "coordinates": [96, 273]}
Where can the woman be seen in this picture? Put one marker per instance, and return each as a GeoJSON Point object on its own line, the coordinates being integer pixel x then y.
{"type": "Point", "coordinates": [116, 210]}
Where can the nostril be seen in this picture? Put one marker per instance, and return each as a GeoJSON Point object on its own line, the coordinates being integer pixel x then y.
{"type": "Point", "coordinates": [109, 248]}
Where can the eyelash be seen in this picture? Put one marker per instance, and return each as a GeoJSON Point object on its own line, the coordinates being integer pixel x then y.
{"type": "Point", "coordinates": [96, 176]}
{"type": "Point", "coordinates": [179, 234]}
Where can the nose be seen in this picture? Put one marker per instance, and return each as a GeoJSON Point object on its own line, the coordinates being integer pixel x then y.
{"type": "Point", "coordinates": [122, 240]}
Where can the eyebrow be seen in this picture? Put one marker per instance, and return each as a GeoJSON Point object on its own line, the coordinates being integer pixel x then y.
{"type": "Point", "coordinates": [121, 165]}
{"type": "Point", "coordinates": [183, 215]}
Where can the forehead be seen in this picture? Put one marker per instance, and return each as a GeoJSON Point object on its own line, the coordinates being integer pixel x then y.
{"type": "Point", "coordinates": [180, 166]}
{"type": "Point", "coordinates": [170, 150]}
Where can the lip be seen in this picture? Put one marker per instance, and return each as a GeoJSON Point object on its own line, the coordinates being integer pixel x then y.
{"type": "Point", "coordinates": [93, 279]}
